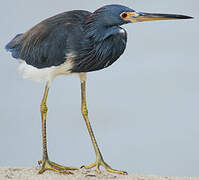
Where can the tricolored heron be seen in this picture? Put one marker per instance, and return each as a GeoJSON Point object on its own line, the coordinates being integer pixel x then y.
{"type": "Point", "coordinates": [76, 41]}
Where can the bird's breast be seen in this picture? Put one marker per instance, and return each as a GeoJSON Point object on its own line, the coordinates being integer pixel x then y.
{"type": "Point", "coordinates": [101, 54]}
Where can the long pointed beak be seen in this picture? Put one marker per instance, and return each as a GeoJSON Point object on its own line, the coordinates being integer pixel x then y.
{"type": "Point", "coordinates": [141, 16]}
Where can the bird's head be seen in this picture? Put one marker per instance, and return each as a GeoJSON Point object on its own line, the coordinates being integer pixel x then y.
{"type": "Point", "coordinates": [106, 19]}
{"type": "Point", "coordinates": [111, 15]}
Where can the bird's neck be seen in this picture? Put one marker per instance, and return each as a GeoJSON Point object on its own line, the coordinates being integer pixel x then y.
{"type": "Point", "coordinates": [100, 33]}
{"type": "Point", "coordinates": [102, 47]}
{"type": "Point", "coordinates": [98, 30]}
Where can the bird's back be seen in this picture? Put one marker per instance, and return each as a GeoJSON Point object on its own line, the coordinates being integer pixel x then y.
{"type": "Point", "coordinates": [48, 43]}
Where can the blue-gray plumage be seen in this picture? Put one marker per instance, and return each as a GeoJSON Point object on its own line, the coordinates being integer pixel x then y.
{"type": "Point", "coordinates": [95, 40]}
{"type": "Point", "coordinates": [76, 42]}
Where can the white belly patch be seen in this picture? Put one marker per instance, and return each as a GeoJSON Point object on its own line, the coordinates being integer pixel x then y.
{"type": "Point", "coordinates": [44, 74]}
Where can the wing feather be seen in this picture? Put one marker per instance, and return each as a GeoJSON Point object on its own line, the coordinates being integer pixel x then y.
{"type": "Point", "coordinates": [47, 43]}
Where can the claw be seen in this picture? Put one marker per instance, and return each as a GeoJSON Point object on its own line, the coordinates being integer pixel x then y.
{"type": "Point", "coordinates": [49, 165]}
{"type": "Point", "coordinates": [40, 162]}
{"type": "Point", "coordinates": [101, 162]}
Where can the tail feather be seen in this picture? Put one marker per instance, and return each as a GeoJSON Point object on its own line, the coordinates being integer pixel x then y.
{"type": "Point", "coordinates": [14, 47]}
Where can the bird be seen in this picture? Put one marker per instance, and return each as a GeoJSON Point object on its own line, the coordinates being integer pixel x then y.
{"type": "Point", "coordinates": [76, 42]}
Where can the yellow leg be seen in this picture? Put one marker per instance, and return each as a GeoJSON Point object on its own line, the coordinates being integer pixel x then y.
{"type": "Point", "coordinates": [99, 159]}
{"type": "Point", "coordinates": [46, 164]}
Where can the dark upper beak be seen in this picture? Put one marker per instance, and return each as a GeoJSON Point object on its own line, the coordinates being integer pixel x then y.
{"type": "Point", "coordinates": [141, 16]}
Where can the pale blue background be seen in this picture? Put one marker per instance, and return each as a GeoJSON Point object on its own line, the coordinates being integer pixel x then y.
{"type": "Point", "coordinates": [144, 109]}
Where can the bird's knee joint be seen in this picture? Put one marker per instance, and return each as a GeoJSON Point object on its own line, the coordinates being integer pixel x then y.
{"type": "Point", "coordinates": [43, 108]}
{"type": "Point", "coordinates": [84, 111]}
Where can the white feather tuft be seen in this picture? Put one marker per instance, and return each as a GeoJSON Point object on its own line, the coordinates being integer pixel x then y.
{"type": "Point", "coordinates": [44, 74]}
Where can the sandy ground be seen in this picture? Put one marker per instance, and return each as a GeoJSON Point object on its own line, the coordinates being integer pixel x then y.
{"type": "Point", "coordinates": [10, 173]}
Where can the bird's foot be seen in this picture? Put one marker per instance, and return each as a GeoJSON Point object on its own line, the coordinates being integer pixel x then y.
{"type": "Point", "coordinates": [49, 165]}
{"type": "Point", "coordinates": [100, 162]}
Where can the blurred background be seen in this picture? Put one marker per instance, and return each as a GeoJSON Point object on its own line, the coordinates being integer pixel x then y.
{"type": "Point", "coordinates": [144, 109]}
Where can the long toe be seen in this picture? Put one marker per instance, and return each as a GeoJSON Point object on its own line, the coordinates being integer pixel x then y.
{"type": "Point", "coordinates": [49, 165]}
{"type": "Point", "coordinates": [101, 162]}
